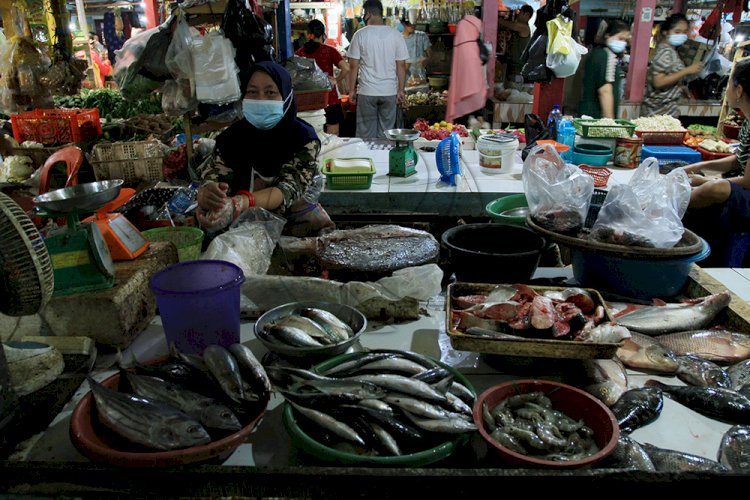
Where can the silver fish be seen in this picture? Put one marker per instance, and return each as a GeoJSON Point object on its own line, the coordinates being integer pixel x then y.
{"type": "Point", "coordinates": [739, 373]}
{"type": "Point", "coordinates": [329, 423]}
{"type": "Point", "coordinates": [666, 460]}
{"type": "Point", "coordinates": [422, 408]}
{"type": "Point", "coordinates": [355, 364]}
{"type": "Point", "coordinates": [329, 321]}
{"type": "Point", "coordinates": [225, 370]}
{"type": "Point", "coordinates": [638, 407]}
{"type": "Point", "coordinates": [359, 389]}
{"type": "Point", "coordinates": [608, 379]}
{"type": "Point", "coordinates": [250, 367]}
{"type": "Point", "coordinates": [145, 422]}
{"type": "Point", "coordinates": [395, 364]}
{"type": "Point", "coordinates": [643, 352]}
{"type": "Point", "coordinates": [291, 335]}
{"type": "Point", "coordinates": [385, 437]}
{"type": "Point", "coordinates": [718, 403]}
{"type": "Point", "coordinates": [403, 384]}
{"type": "Point", "coordinates": [208, 411]}
{"type": "Point", "coordinates": [308, 326]}
{"type": "Point", "coordinates": [376, 404]}
{"type": "Point", "coordinates": [444, 425]}
{"type": "Point", "coordinates": [628, 454]}
{"type": "Point", "coordinates": [660, 320]}
{"type": "Point", "coordinates": [734, 449]}
{"type": "Point", "coordinates": [694, 370]}
{"type": "Point", "coordinates": [723, 346]}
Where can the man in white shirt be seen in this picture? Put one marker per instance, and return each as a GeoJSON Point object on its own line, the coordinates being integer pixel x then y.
{"type": "Point", "coordinates": [377, 60]}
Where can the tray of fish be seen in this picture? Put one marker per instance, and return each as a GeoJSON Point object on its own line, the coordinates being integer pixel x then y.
{"type": "Point", "coordinates": [538, 321]}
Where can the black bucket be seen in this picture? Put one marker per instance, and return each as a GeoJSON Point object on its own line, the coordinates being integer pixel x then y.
{"type": "Point", "coordinates": [493, 253]}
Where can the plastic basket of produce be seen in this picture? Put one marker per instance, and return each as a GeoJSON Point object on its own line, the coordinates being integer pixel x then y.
{"type": "Point", "coordinates": [349, 173]}
{"type": "Point", "coordinates": [661, 137]}
{"type": "Point", "coordinates": [707, 155]}
{"type": "Point", "coordinates": [600, 174]}
{"type": "Point", "coordinates": [56, 126]}
{"type": "Point", "coordinates": [132, 161]}
{"type": "Point", "coordinates": [312, 99]}
{"type": "Point", "coordinates": [605, 127]}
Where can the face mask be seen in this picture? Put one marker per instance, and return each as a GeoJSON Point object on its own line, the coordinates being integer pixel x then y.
{"type": "Point", "coordinates": [677, 40]}
{"type": "Point", "coordinates": [617, 46]}
{"type": "Point", "coordinates": [264, 114]}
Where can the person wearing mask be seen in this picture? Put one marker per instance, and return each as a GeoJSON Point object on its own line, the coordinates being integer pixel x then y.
{"type": "Point", "coordinates": [720, 207]}
{"type": "Point", "coordinates": [603, 72]}
{"type": "Point", "coordinates": [520, 35]}
{"type": "Point", "coordinates": [377, 77]}
{"type": "Point", "coordinates": [419, 46]}
{"type": "Point", "coordinates": [326, 57]}
{"type": "Point", "coordinates": [664, 85]}
{"type": "Point", "coordinates": [269, 159]}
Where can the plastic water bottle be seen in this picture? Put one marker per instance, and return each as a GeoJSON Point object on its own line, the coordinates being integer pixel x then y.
{"type": "Point", "coordinates": [184, 199]}
{"type": "Point", "coordinates": [566, 134]}
{"type": "Point", "coordinates": [554, 119]}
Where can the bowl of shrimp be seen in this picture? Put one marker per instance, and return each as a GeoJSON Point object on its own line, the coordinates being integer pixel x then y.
{"type": "Point", "coordinates": [545, 424]}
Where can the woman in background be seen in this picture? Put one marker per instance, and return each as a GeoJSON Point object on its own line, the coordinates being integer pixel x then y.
{"type": "Point", "coordinates": [664, 85]}
{"type": "Point", "coordinates": [603, 72]}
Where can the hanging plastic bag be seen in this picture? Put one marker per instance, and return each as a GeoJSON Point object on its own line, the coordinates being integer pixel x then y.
{"type": "Point", "coordinates": [565, 65]}
{"type": "Point", "coordinates": [559, 193]}
{"type": "Point", "coordinates": [216, 79]}
{"type": "Point", "coordinates": [646, 212]}
{"type": "Point", "coordinates": [560, 35]}
{"type": "Point", "coordinates": [250, 34]}
{"type": "Point", "coordinates": [535, 69]}
{"type": "Point", "coordinates": [306, 74]}
{"type": "Point", "coordinates": [141, 63]}
{"type": "Point", "coordinates": [178, 58]}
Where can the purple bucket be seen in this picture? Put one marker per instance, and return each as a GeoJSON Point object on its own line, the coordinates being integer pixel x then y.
{"type": "Point", "coordinates": [199, 303]}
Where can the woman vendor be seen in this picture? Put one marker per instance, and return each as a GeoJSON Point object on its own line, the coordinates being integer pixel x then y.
{"type": "Point", "coordinates": [720, 207]}
{"type": "Point", "coordinates": [269, 159]}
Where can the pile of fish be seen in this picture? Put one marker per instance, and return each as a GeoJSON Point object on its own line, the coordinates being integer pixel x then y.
{"type": "Point", "coordinates": [519, 310]}
{"type": "Point", "coordinates": [186, 401]}
{"type": "Point", "coordinates": [529, 425]}
{"type": "Point", "coordinates": [312, 327]}
{"type": "Point", "coordinates": [380, 403]}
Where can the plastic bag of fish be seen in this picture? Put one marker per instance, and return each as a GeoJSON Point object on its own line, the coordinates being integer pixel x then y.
{"type": "Point", "coordinates": [185, 401]}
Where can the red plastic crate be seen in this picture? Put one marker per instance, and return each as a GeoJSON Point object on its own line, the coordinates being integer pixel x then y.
{"type": "Point", "coordinates": [56, 126]}
{"type": "Point", "coordinates": [313, 99]}
{"type": "Point", "coordinates": [661, 137]}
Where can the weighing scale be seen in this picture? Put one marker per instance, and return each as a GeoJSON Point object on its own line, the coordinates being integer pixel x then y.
{"type": "Point", "coordinates": [124, 241]}
{"type": "Point", "coordinates": [402, 159]}
{"type": "Point", "coordinates": [81, 260]}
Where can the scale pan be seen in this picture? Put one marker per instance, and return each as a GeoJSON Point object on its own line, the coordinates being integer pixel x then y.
{"type": "Point", "coordinates": [402, 134]}
{"type": "Point", "coordinates": [83, 197]}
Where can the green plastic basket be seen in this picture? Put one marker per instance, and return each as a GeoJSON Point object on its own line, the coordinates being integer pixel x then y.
{"type": "Point", "coordinates": [346, 180]}
{"type": "Point", "coordinates": [590, 128]}
{"type": "Point", "coordinates": [188, 240]}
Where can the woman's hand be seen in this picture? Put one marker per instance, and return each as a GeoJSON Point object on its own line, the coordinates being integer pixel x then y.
{"type": "Point", "coordinates": [694, 68]}
{"type": "Point", "coordinates": [213, 195]}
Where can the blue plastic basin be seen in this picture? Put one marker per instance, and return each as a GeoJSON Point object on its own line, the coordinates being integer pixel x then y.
{"type": "Point", "coordinates": [597, 160]}
{"type": "Point", "coordinates": [635, 278]}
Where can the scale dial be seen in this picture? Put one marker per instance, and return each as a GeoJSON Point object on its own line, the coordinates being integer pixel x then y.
{"type": "Point", "coordinates": [100, 250]}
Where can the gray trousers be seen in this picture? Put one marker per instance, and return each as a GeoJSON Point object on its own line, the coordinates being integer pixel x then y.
{"type": "Point", "coordinates": [375, 114]}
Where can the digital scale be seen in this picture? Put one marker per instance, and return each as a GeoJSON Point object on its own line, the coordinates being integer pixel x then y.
{"type": "Point", "coordinates": [80, 251]}
{"type": "Point", "coordinates": [402, 159]}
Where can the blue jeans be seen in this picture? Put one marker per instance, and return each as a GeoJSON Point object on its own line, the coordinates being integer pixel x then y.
{"type": "Point", "coordinates": [375, 115]}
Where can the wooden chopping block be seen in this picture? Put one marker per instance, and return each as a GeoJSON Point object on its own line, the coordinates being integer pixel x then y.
{"type": "Point", "coordinates": [113, 316]}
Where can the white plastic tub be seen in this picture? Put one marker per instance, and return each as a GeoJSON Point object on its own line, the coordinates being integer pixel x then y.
{"type": "Point", "coordinates": [496, 153]}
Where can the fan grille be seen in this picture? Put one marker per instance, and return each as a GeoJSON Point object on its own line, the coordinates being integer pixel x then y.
{"type": "Point", "coordinates": [26, 274]}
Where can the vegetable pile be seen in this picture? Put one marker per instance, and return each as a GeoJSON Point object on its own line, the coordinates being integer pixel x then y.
{"type": "Point", "coordinates": [110, 103]}
{"type": "Point", "coordinates": [658, 123]}
{"type": "Point", "coordinates": [438, 130]}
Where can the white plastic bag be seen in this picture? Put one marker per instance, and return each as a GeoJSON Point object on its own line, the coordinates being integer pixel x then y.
{"type": "Point", "coordinates": [216, 80]}
{"type": "Point", "coordinates": [565, 65]}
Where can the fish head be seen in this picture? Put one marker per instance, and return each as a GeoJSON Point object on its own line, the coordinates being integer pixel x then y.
{"type": "Point", "coordinates": [217, 416]}
{"type": "Point", "coordinates": [662, 359]}
{"type": "Point", "coordinates": [177, 433]}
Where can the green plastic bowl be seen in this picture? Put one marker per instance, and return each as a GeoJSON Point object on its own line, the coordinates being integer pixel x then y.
{"type": "Point", "coordinates": [307, 443]}
{"type": "Point", "coordinates": [594, 149]}
{"type": "Point", "coordinates": [505, 210]}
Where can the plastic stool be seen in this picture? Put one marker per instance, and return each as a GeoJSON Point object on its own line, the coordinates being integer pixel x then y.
{"type": "Point", "coordinates": [738, 245]}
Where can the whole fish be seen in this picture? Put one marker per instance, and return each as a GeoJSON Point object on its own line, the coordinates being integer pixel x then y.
{"type": "Point", "coordinates": [308, 326]}
{"type": "Point", "coordinates": [387, 440]}
{"type": "Point", "coordinates": [645, 353]}
{"type": "Point", "coordinates": [403, 384]}
{"type": "Point", "coordinates": [718, 403]}
{"type": "Point", "coordinates": [734, 449]}
{"type": "Point", "coordinates": [142, 421]}
{"type": "Point", "coordinates": [225, 370]}
{"type": "Point", "coordinates": [250, 368]}
{"type": "Point", "coordinates": [694, 370]}
{"type": "Point", "coordinates": [208, 411]}
{"type": "Point", "coordinates": [660, 320]}
{"type": "Point", "coordinates": [628, 454]}
{"type": "Point", "coordinates": [739, 372]}
{"type": "Point", "coordinates": [604, 333]}
{"type": "Point", "coordinates": [676, 461]}
{"type": "Point", "coordinates": [421, 408]}
{"type": "Point", "coordinates": [290, 335]}
{"type": "Point", "coordinates": [179, 372]}
{"type": "Point", "coordinates": [329, 423]}
{"type": "Point", "coordinates": [722, 346]}
{"type": "Point", "coordinates": [359, 389]}
{"type": "Point", "coordinates": [423, 360]}
{"type": "Point", "coordinates": [394, 365]}
{"type": "Point", "coordinates": [450, 425]}
{"type": "Point", "coordinates": [330, 322]}
{"type": "Point", "coordinates": [638, 407]}
{"type": "Point", "coordinates": [351, 366]}
{"type": "Point", "coordinates": [608, 379]}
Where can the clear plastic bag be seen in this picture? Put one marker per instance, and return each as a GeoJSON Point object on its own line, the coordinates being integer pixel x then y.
{"type": "Point", "coordinates": [559, 193]}
{"type": "Point", "coordinates": [647, 211]}
{"type": "Point", "coordinates": [306, 74]}
{"type": "Point", "coordinates": [179, 59]}
{"type": "Point", "coordinates": [216, 80]}
{"type": "Point", "coordinates": [131, 59]}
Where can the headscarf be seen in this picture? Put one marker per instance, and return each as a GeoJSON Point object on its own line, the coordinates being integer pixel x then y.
{"type": "Point", "coordinates": [244, 147]}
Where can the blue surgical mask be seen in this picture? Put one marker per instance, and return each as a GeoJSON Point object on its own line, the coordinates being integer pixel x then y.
{"type": "Point", "coordinates": [677, 40]}
{"type": "Point", "coordinates": [617, 46]}
{"type": "Point", "coordinates": [264, 114]}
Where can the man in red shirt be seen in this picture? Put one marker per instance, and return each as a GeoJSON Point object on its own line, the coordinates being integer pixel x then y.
{"type": "Point", "coordinates": [326, 58]}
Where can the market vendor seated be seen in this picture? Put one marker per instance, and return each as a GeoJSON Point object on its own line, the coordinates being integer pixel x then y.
{"type": "Point", "coordinates": [268, 160]}
{"type": "Point", "coordinates": [719, 208]}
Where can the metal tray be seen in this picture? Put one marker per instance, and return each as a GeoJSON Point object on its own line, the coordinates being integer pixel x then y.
{"type": "Point", "coordinates": [533, 347]}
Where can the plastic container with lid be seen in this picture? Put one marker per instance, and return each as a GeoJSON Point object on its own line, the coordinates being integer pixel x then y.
{"type": "Point", "coordinates": [566, 134]}
{"type": "Point", "coordinates": [496, 153]}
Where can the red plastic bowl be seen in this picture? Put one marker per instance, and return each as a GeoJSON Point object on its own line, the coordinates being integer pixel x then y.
{"type": "Point", "coordinates": [570, 400]}
{"type": "Point", "coordinates": [95, 442]}
{"type": "Point", "coordinates": [730, 131]}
